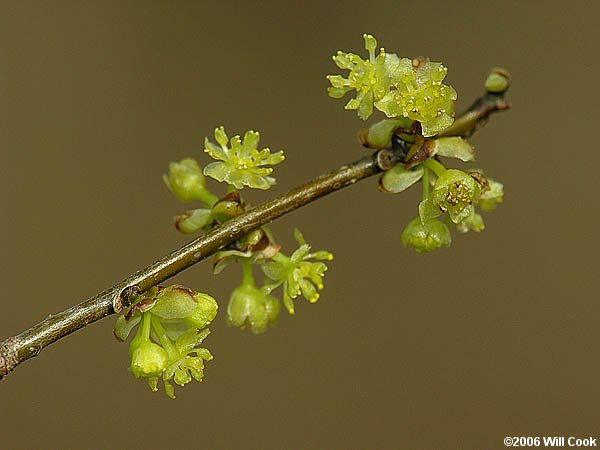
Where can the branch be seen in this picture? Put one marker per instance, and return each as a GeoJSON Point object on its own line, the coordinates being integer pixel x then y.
{"type": "Point", "coordinates": [17, 349]}
{"type": "Point", "coordinates": [29, 343]}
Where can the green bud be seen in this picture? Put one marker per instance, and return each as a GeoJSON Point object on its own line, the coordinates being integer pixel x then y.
{"type": "Point", "coordinates": [455, 191]}
{"type": "Point", "coordinates": [255, 241]}
{"type": "Point", "coordinates": [251, 306]}
{"type": "Point", "coordinates": [185, 180]}
{"type": "Point", "coordinates": [178, 302]}
{"type": "Point", "coordinates": [175, 302]}
{"type": "Point", "coordinates": [226, 208]}
{"type": "Point", "coordinates": [254, 238]}
{"type": "Point", "coordinates": [148, 360]}
{"type": "Point", "coordinates": [498, 80]}
{"type": "Point", "coordinates": [205, 312]}
{"type": "Point", "coordinates": [425, 237]}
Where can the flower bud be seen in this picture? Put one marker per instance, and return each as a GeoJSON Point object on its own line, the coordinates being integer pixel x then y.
{"type": "Point", "coordinates": [251, 306]}
{"type": "Point", "coordinates": [185, 180]}
{"type": "Point", "coordinates": [498, 80]}
{"type": "Point", "coordinates": [228, 207]}
{"type": "Point", "coordinates": [178, 302]}
{"type": "Point", "coordinates": [425, 237]}
{"type": "Point", "coordinates": [175, 302]}
{"type": "Point", "coordinates": [148, 360]}
{"type": "Point", "coordinates": [205, 311]}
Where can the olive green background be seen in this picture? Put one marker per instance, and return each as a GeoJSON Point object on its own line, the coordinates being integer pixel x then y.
{"type": "Point", "coordinates": [497, 336]}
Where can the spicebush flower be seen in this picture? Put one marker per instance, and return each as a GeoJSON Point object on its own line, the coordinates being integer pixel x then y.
{"type": "Point", "coordinates": [454, 192]}
{"type": "Point", "coordinates": [417, 92]}
{"type": "Point", "coordinates": [297, 273]}
{"type": "Point", "coordinates": [425, 237]}
{"type": "Point", "coordinates": [186, 360]}
{"type": "Point", "coordinates": [148, 360]}
{"type": "Point", "coordinates": [253, 307]}
{"type": "Point", "coordinates": [369, 78]}
{"type": "Point", "coordinates": [242, 164]}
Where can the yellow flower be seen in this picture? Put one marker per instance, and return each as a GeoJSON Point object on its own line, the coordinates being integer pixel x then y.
{"type": "Point", "coordinates": [242, 164]}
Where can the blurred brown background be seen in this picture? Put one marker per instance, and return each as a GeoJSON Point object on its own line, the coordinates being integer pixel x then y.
{"type": "Point", "coordinates": [497, 336]}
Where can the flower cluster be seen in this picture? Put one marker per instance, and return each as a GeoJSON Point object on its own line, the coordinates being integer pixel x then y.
{"type": "Point", "coordinates": [299, 274]}
{"type": "Point", "coordinates": [171, 324]}
{"type": "Point", "coordinates": [419, 113]}
{"type": "Point", "coordinates": [451, 191]}
{"type": "Point", "coordinates": [456, 193]}
{"type": "Point", "coordinates": [240, 164]}
{"type": "Point", "coordinates": [399, 87]}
